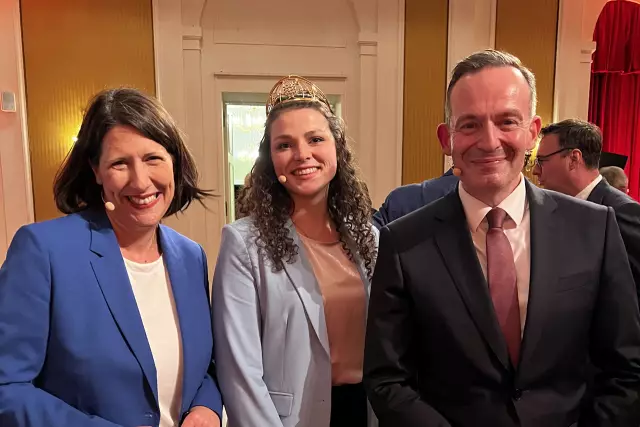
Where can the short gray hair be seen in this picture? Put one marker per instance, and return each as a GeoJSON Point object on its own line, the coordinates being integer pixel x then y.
{"type": "Point", "coordinates": [486, 59]}
{"type": "Point", "coordinates": [615, 176]}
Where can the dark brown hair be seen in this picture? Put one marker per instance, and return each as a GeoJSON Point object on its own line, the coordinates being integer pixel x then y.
{"type": "Point", "coordinates": [574, 133]}
{"type": "Point", "coordinates": [75, 187]}
{"type": "Point", "coordinates": [270, 205]}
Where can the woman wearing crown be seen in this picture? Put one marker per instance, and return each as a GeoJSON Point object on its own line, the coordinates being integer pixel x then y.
{"type": "Point", "coordinates": [291, 285]}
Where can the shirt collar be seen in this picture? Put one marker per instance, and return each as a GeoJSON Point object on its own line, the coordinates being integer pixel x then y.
{"type": "Point", "coordinates": [586, 191]}
{"type": "Point", "coordinates": [475, 210]}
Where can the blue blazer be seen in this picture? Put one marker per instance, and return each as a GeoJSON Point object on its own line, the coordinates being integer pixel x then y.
{"type": "Point", "coordinates": [73, 349]}
{"type": "Point", "coordinates": [271, 334]}
{"type": "Point", "coordinates": [408, 198]}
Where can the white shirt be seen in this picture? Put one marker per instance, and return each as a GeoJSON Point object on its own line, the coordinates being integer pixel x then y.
{"type": "Point", "coordinates": [154, 296]}
{"type": "Point", "coordinates": [586, 191]}
{"type": "Point", "coordinates": [517, 228]}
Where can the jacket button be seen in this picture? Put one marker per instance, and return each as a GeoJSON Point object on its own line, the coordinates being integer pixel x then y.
{"type": "Point", "coordinates": [517, 394]}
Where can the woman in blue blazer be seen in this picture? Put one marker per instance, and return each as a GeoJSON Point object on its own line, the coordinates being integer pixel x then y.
{"type": "Point", "coordinates": [104, 313]}
{"type": "Point", "coordinates": [292, 280]}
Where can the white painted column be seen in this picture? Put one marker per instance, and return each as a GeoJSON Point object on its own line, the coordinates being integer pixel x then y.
{"type": "Point", "coordinates": [472, 27]}
{"type": "Point", "coordinates": [178, 54]}
{"type": "Point", "coordinates": [16, 197]}
{"type": "Point", "coordinates": [368, 85]}
{"type": "Point", "coordinates": [389, 100]}
{"type": "Point", "coordinates": [167, 44]}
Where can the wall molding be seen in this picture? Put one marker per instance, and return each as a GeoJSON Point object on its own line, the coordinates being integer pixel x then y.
{"type": "Point", "coordinates": [220, 41]}
{"type": "Point", "coordinates": [586, 51]}
{"type": "Point", "coordinates": [191, 43]}
{"type": "Point", "coordinates": [196, 63]}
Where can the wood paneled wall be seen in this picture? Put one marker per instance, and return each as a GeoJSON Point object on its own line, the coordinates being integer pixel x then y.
{"type": "Point", "coordinates": [73, 49]}
{"type": "Point", "coordinates": [530, 34]}
{"type": "Point", "coordinates": [425, 79]}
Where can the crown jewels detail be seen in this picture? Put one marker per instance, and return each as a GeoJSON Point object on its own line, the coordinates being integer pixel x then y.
{"type": "Point", "coordinates": [295, 88]}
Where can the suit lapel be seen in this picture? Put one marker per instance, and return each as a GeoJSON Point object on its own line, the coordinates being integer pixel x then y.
{"type": "Point", "coordinates": [459, 254]}
{"type": "Point", "coordinates": [543, 258]}
{"type": "Point", "coordinates": [187, 321]}
{"type": "Point", "coordinates": [110, 271]}
{"type": "Point", "coordinates": [598, 192]}
{"type": "Point", "coordinates": [304, 282]}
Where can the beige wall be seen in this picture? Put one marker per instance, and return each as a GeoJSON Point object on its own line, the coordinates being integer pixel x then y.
{"type": "Point", "coordinates": [590, 11]}
{"type": "Point", "coordinates": [351, 48]}
{"type": "Point", "coordinates": [15, 186]}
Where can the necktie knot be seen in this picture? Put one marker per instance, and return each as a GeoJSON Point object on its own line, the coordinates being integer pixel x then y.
{"type": "Point", "coordinates": [496, 217]}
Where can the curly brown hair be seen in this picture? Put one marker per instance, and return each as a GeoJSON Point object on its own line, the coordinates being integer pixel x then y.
{"type": "Point", "coordinates": [267, 201]}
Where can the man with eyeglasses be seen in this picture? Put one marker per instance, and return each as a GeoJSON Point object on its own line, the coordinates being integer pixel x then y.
{"type": "Point", "coordinates": [568, 160]}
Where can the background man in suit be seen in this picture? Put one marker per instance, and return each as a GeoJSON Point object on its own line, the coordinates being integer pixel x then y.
{"type": "Point", "coordinates": [408, 198]}
{"type": "Point", "coordinates": [616, 178]}
{"type": "Point", "coordinates": [487, 303]}
{"type": "Point", "coordinates": [567, 161]}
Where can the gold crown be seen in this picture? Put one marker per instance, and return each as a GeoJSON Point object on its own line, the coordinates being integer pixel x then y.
{"type": "Point", "coordinates": [295, 88]}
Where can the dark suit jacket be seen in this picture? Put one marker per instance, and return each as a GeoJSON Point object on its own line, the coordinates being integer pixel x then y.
{"type": "Point", "coordinates": [408, 198]}
{"type": "Point", "coordinates": [434, 352]}
{"type": "Point", "coordinates": [627, 213]}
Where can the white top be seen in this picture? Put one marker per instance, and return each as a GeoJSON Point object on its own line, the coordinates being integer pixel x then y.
{"type": "Point", "coordinates": [154, 296]}
{"type": "Point", "coordinates": [517, 228]}
{"type": "Point", "coordinates": [586, 191]}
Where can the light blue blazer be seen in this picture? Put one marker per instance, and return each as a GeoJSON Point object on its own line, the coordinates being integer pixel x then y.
{"type": "Point", "coordinates": [73, 349]}
{"type": "Point", "coordinates": [270, 335]}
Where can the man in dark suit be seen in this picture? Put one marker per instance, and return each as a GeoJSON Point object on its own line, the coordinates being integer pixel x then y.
{"type": "Point", "coordinates": [568, 160]}
{"type": "Point", "coordinates": [487, 304]}
{"type": "Point", "coordinates": [410, 197]}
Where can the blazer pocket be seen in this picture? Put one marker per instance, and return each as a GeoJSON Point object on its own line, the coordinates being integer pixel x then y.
{"type": "Point", "coordinates": [574, 281]}
{"type": "Point", "coordinates": [283, 402]}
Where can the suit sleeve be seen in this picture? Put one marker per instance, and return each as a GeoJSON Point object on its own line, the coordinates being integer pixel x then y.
{"type": "Point", "coordinates": [238, 344]}
{"type": "Point", "coordinates": [381, 216]}
{"type": "Point", "coordinates": [208, 394]}
{"type": "Point", "coordinates": [25, 301]}
{"type": "Point", "coordinates": [628, 218]}
{"type": "Point", "coordinates": [389, 359]}
{"type": "Point", "coordinates": [615, 340]}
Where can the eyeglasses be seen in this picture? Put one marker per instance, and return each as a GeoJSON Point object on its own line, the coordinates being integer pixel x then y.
{"type": "Point", "coordinates": [539, 160]}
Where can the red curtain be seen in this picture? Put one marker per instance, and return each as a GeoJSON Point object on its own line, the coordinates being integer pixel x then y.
{"type": "Point", "coordinates": [614, 98]}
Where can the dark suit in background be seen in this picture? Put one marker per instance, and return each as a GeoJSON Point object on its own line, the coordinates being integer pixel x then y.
{"type": "Point", "coordinates": [627, 213]}
{"type": "Point", "coordinates": [408, 198]}
{"type": "Point", "coordinates": [435, 354]}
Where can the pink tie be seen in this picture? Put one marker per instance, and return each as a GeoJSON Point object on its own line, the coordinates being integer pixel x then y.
{"type": "Point", "coordinates": [501, 275]}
